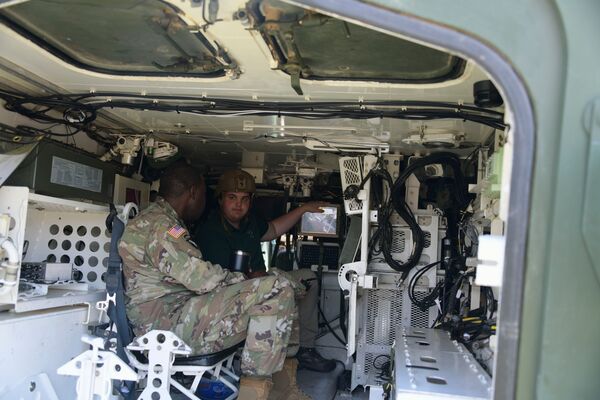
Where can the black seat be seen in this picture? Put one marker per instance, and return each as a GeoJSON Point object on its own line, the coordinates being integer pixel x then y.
{"type": "Point", "coordinates": [201, 360]}
{"type": "Point", "coordinates": [208, 359]}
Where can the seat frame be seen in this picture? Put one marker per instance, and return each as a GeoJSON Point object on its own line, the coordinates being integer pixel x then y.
{"type": "Point", "coordinates": [164, 353]}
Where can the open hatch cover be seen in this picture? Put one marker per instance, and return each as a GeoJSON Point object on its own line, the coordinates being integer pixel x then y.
{"type": "Point", "coordinates": [309, 45]}
{"type": "Point", "coordinates": [119, 37]}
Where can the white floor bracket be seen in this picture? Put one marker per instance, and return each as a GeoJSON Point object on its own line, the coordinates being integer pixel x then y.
{"type": "Point", "coordinates": [96, 369]}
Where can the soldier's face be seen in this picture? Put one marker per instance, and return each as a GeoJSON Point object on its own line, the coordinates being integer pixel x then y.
{"type": "Point", "coordinates": [197, 202]}
{"type": "Point", "coordinates": [235, 205]}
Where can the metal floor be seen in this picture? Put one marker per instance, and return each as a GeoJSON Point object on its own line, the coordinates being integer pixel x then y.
{"type": "Point", "coordinates": [322, 386]}
{"type": "Point", "coordinates": [317, 385]}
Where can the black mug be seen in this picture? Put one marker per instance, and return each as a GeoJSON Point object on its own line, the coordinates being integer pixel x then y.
{"type": "Point", "coordinates": [239, 261]}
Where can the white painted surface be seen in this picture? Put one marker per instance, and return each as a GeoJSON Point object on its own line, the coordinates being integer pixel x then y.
{"type": "Point", "coordinates": [40, 342]}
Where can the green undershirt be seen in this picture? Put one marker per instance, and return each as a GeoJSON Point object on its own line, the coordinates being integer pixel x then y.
{"type": "Point", "coordinates": [218, 239]}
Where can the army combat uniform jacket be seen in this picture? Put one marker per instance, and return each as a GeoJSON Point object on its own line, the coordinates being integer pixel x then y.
{"type": "Point", "coordinates": [163, 269]}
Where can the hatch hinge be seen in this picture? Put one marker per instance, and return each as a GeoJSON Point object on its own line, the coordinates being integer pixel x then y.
{"type": "Point", "coordinates": [294, 71]}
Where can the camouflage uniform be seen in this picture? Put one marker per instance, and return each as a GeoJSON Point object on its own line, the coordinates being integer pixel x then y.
{"type": "Point", "coordinates": [218, 239]}
{"type": "Point", "coordinates": [305, 328]}
{"type": "Point", "coordinates": [169, 286]}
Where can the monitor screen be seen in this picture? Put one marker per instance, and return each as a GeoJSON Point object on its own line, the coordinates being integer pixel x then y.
{"type": "Point", "coordinates": [320, 224]}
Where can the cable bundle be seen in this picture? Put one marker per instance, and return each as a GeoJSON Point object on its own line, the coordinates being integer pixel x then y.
{"type": "Point", "coordinates": [429, 300]}
{"type": "Point", "coordinates": [86, 106]}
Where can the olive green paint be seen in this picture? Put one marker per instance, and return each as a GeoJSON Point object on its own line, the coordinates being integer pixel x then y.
{"type": "Point", "coordinates": [551, 46]}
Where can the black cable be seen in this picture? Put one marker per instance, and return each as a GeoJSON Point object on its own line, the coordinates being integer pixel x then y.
{"type": "Point", "coordinates": [382, 238]}
{"type": "Point", "coordinates": [377, 358]}
{"type": "Point", "coordinates": [326, 332]}
{"type": "Point", "coordinates": [385, 367]}
{"type": "Point", "coordinates": [330, 328]}
{"type": "Point", "coordinates": [448, 160]}
{"type": "Point", "coordinates": [19, 132]}
{"type": "Point", "coordinates": [449, 299]}
{"type": "Point", "coordinates": [80, 110]}
{"type": "Point", "coordinates": [429, 300]}
{"type": "Point", "coordinates": [84, 105]}
{"type": "Point", "coordinates": [319, 283]}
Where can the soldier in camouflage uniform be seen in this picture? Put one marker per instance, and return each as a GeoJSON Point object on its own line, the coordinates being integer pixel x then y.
{"type": "Point", "coordinates": [169, 286]}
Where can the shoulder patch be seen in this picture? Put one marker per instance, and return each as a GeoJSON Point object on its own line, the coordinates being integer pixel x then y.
{"type": "Point", "coordinates": [176, 231]}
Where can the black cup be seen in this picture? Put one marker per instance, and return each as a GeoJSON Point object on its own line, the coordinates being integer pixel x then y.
{"type": "Point", "coordinates": [239, 261]}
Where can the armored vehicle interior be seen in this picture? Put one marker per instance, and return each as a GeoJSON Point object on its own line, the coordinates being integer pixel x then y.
{"type": "Point", "coordinates": [410, 145]}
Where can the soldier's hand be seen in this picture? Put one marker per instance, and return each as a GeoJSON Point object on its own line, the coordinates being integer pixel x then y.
{"type": "Point", "coordinates": [256, 274]}
{"type": "Point", "coordinates": [314, 206]}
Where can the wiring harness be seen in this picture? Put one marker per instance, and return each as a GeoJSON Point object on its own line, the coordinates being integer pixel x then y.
{"type": "Point", "coordinates": [87, 105]}
{"type": "Point", "coordinates": [80, 110]}
{"type": "Point", "coordinates": [27, 135]}
{"type": "Point", "coordinates": [381, 240]}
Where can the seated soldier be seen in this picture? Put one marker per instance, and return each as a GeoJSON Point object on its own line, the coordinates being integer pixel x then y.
{"type": "Point", "coordinates": [169, 286]}
{"type": "Point", "coordinates": [232, 228]}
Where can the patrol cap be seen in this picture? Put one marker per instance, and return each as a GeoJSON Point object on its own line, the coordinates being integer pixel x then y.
{"type": "Point", "coordinates": [235, 180]}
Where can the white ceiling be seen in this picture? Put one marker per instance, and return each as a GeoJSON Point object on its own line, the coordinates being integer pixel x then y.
{"type": "Point", "coordinates": [225, 137]}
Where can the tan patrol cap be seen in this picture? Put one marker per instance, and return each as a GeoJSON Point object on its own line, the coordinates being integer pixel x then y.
{"type": "Point", "coordinates": [236, 180]}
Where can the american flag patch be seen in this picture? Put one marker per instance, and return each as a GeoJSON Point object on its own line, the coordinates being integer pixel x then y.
{"type": "Point", "coordinates": [176, 231]}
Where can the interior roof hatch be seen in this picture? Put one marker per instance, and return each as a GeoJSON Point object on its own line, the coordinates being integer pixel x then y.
{"type": "Point", "coordinates": [308, 45]}
{"type": "Point", "coordinates": [133, 37]}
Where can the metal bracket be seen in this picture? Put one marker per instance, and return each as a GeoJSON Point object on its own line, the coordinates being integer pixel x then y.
{"type": "Point", "coordinates": [96, 369]}
{"type": "Point", "coordinates": [590, 224]}
{"type": "Point", "coordinates": [89, 313]}
{"type": "Point", "coordinates": [367, 281]}
{"type": "Point", "coordinates": [102, 306]}
{"type": "Point", "coordinates": [351, 346]}
{"type": "Point", "coordinates": [490, 260]}
{"type": "Point", "coordinates": [294, 71]}
{"type": "Point", "coordinates": [162, 346]}
{"type": "Point", "coordinates": [347, 270]}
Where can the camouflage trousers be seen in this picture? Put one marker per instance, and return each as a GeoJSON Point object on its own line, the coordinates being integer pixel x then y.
{"type": "Point", "coordinates": [305, 328]}
{"type": "Point", "coordinates": [259, 311]}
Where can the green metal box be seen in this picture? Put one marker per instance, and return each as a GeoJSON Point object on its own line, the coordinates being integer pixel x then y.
{"type": "Point", "coordinates": [59, 170]}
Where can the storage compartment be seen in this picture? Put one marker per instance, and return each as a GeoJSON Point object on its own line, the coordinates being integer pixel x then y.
{"type": "Point", "coordinates": [58, 170]}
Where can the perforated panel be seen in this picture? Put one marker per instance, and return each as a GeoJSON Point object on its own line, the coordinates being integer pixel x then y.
{"type": "Point", "coordinates": [427, 237]}
{"type": "Point", "coordinates": [369, 358]}
{"type": "Point", "coordinates": [419, 318]}
{"type": "Point", "coordinates": [351, 174]}
{"type": "Point", "coordinates": [351, 170]}
{"type": "Point", "coordinates": [398, 241]}
{"type": "Point", "coordinates": [384, 313]}
{"type": "Point", "coordinates": [70, 237]}
{"type": "Point", "coordinates": [380, 313]}
{"type": "Point", "coordinates": [384, 316]}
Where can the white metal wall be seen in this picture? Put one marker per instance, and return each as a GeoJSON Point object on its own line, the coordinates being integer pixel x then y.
{"type": "Point", "coordinates": [72, 237]}
{"type": "Point", "coordinates": [40, 342]}
{"type": "Point", "coordinates": [13, 201]}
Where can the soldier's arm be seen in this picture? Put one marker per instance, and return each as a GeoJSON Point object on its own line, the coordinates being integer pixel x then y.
{"type": "Point", "coordinates": [281, 225]}
{"type": "Point", "coordinates": [176, 256]}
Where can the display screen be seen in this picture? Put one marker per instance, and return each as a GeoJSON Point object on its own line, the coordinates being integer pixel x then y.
{"type": "Point", "coordinates": [320, 224]}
